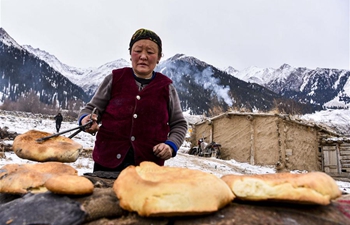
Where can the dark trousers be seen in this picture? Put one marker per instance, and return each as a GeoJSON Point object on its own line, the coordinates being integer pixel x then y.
{"type": "Point", "coordinates": [58, 127]}
{"type": "Point", "coordinates": [129, 160]}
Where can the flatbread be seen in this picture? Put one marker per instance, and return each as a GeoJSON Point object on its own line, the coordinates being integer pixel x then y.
{"type": "Point", "coordinates": [24, 178]}
{"type": "Point", "coordinates": [59, 149]}
{"type": "Point", "coordinates": [70, 185]}
{"type": "Point", "coordinates": [153, 190]}
{"type": "Point", "coordinates": [305, 188]}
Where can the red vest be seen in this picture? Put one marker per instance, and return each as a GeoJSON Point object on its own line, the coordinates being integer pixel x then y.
{"type": "Point", "coordinates": [133, 118]}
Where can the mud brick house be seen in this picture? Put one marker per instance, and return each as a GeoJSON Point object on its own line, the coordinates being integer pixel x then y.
{"type": "Point", "coordinates": [276, 139]}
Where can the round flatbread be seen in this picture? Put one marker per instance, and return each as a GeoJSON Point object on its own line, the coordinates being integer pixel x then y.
{"type": "Point", "coordinates": [24, 178]}
{"type": "Point", "coordinates": [305, 188]}
{"type": "Point", "coordinates": [153, 190]}
{"type": "Point", "coordinates": [70, 185]}
{"type": "Point", "coordinates": [59, 149]}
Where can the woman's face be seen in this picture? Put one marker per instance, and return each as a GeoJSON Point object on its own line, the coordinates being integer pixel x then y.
{"type": "Point", "coordinates": [144, 57]}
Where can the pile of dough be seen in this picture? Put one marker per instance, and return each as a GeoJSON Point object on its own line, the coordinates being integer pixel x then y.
{"type": "Point", "coordinates": [153, 190]}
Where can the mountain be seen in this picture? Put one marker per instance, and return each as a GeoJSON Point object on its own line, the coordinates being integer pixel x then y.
{"type": "Point", "coordinates": [327, 88]}
{"type": "Point", "coordinates": [88, 79]}
{"type": "Point", "coordinates": [72, 73]}
{"type": "Point", "coordinates": [202, 88]}
{"type": "Point", "coordinates": [92, 78]}
{"type": "Point", "coordinates": [23, 72]}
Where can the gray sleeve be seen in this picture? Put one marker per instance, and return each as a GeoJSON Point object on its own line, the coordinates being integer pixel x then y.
{"type": "Point", "coordinates": [100, 99]}
{"type": "Point", "coordinates": [177, 121]}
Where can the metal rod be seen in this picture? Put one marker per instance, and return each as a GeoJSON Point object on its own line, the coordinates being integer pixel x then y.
{"type": "Point", "coordinates": [55, 135]}
{"type": "Point", "coordinates": [75, 133]}
{"type": "Point", "coordinates": [81, 128]}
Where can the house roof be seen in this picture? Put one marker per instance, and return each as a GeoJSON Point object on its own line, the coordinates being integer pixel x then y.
{"type": "Point", "coordinates": [286, 117]}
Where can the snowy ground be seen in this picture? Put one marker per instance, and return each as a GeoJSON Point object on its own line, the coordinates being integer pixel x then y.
{"type": "Point", "coordinates": [21, 123]}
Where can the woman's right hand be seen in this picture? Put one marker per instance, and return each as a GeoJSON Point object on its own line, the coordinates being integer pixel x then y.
{"type": "Point", "coordinates": [93, 128]}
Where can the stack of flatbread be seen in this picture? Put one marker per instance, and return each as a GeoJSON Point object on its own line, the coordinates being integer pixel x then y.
{"type": "Point", "coordinates": [153, 190]}
{"type": "Point", "coordinates": [56, 177]}
{"type": "Point", "coordinates": [24, 178]}
{"type": "Point", "coordinates": [59, 149]}
{"type": "Point", "coordinates": [50, 173]}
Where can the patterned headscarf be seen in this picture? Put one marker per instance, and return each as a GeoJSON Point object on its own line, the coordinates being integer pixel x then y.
{"type": "Point", "coordinates": [145, 34]}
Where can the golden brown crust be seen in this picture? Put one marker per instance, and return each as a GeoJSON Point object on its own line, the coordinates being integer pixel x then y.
{"type": "Point", "coordinates": [70, 185]}
{"type": "Point", "coordinates": [153, 190]}
{"type": "Point", "coordinates": [24, 178]}
{"type": "Point", "coordinates": [52, 167]}
{"type": "Point", "coordinates": [60, 148]}
{"type": "Point", "coordinates": [306, 188]}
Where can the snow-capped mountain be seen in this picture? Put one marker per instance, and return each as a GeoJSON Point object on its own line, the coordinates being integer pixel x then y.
{"type": "Point", "coordinates": [253, 74]}
{"type": "Point", "coordinates": [87, 78]}
{"type": "Point", "coordinates": [92, 78]}
{"type": "Point", "coordinates": [6, 39]}
{"type": "Point", "coordinates": [70, 72]}
{"type": "Point", "coordinates": [202, 88]}
{"type": "Point", "coordinates": [328, 88]}
{"type": "Point", "coordinates": [23, 73]}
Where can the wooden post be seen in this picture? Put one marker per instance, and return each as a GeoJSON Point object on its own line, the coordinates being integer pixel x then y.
{"type": "Point", "coordinates": [252, 144]}
{"type": "Point", "coordinates": [211, 132]}
{"type": "Point", "coordinates": [337, 148]}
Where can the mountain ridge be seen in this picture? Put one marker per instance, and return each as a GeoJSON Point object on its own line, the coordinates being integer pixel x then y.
{"type": "Point", "coordinates": [328, 88]}
{"type": "Point", "coordinates": [202, 88]}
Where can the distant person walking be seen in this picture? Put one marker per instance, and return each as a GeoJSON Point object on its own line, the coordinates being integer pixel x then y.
{"type": "Point", "coordinates": [59, 119]}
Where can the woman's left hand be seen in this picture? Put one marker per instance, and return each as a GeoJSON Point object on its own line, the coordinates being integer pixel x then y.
{"type": "Point", "coordinates": [163, 151]}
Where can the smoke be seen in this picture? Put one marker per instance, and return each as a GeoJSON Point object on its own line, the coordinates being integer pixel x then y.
{"type": "Point", "coordinates": [209, 82]}
{"type": "Point", "coordinates": [203, 78]}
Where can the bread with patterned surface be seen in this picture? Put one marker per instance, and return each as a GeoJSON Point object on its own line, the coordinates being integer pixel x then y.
{"type": "Point", "coordinates": [153, 190]}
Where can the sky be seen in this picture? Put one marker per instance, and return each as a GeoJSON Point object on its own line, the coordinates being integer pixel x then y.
{"type": "Point", "coordinates": [237, 33]}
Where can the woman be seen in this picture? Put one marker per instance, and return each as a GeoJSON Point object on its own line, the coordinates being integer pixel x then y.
{"type": "Point", "coordinates": [139, 111]}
